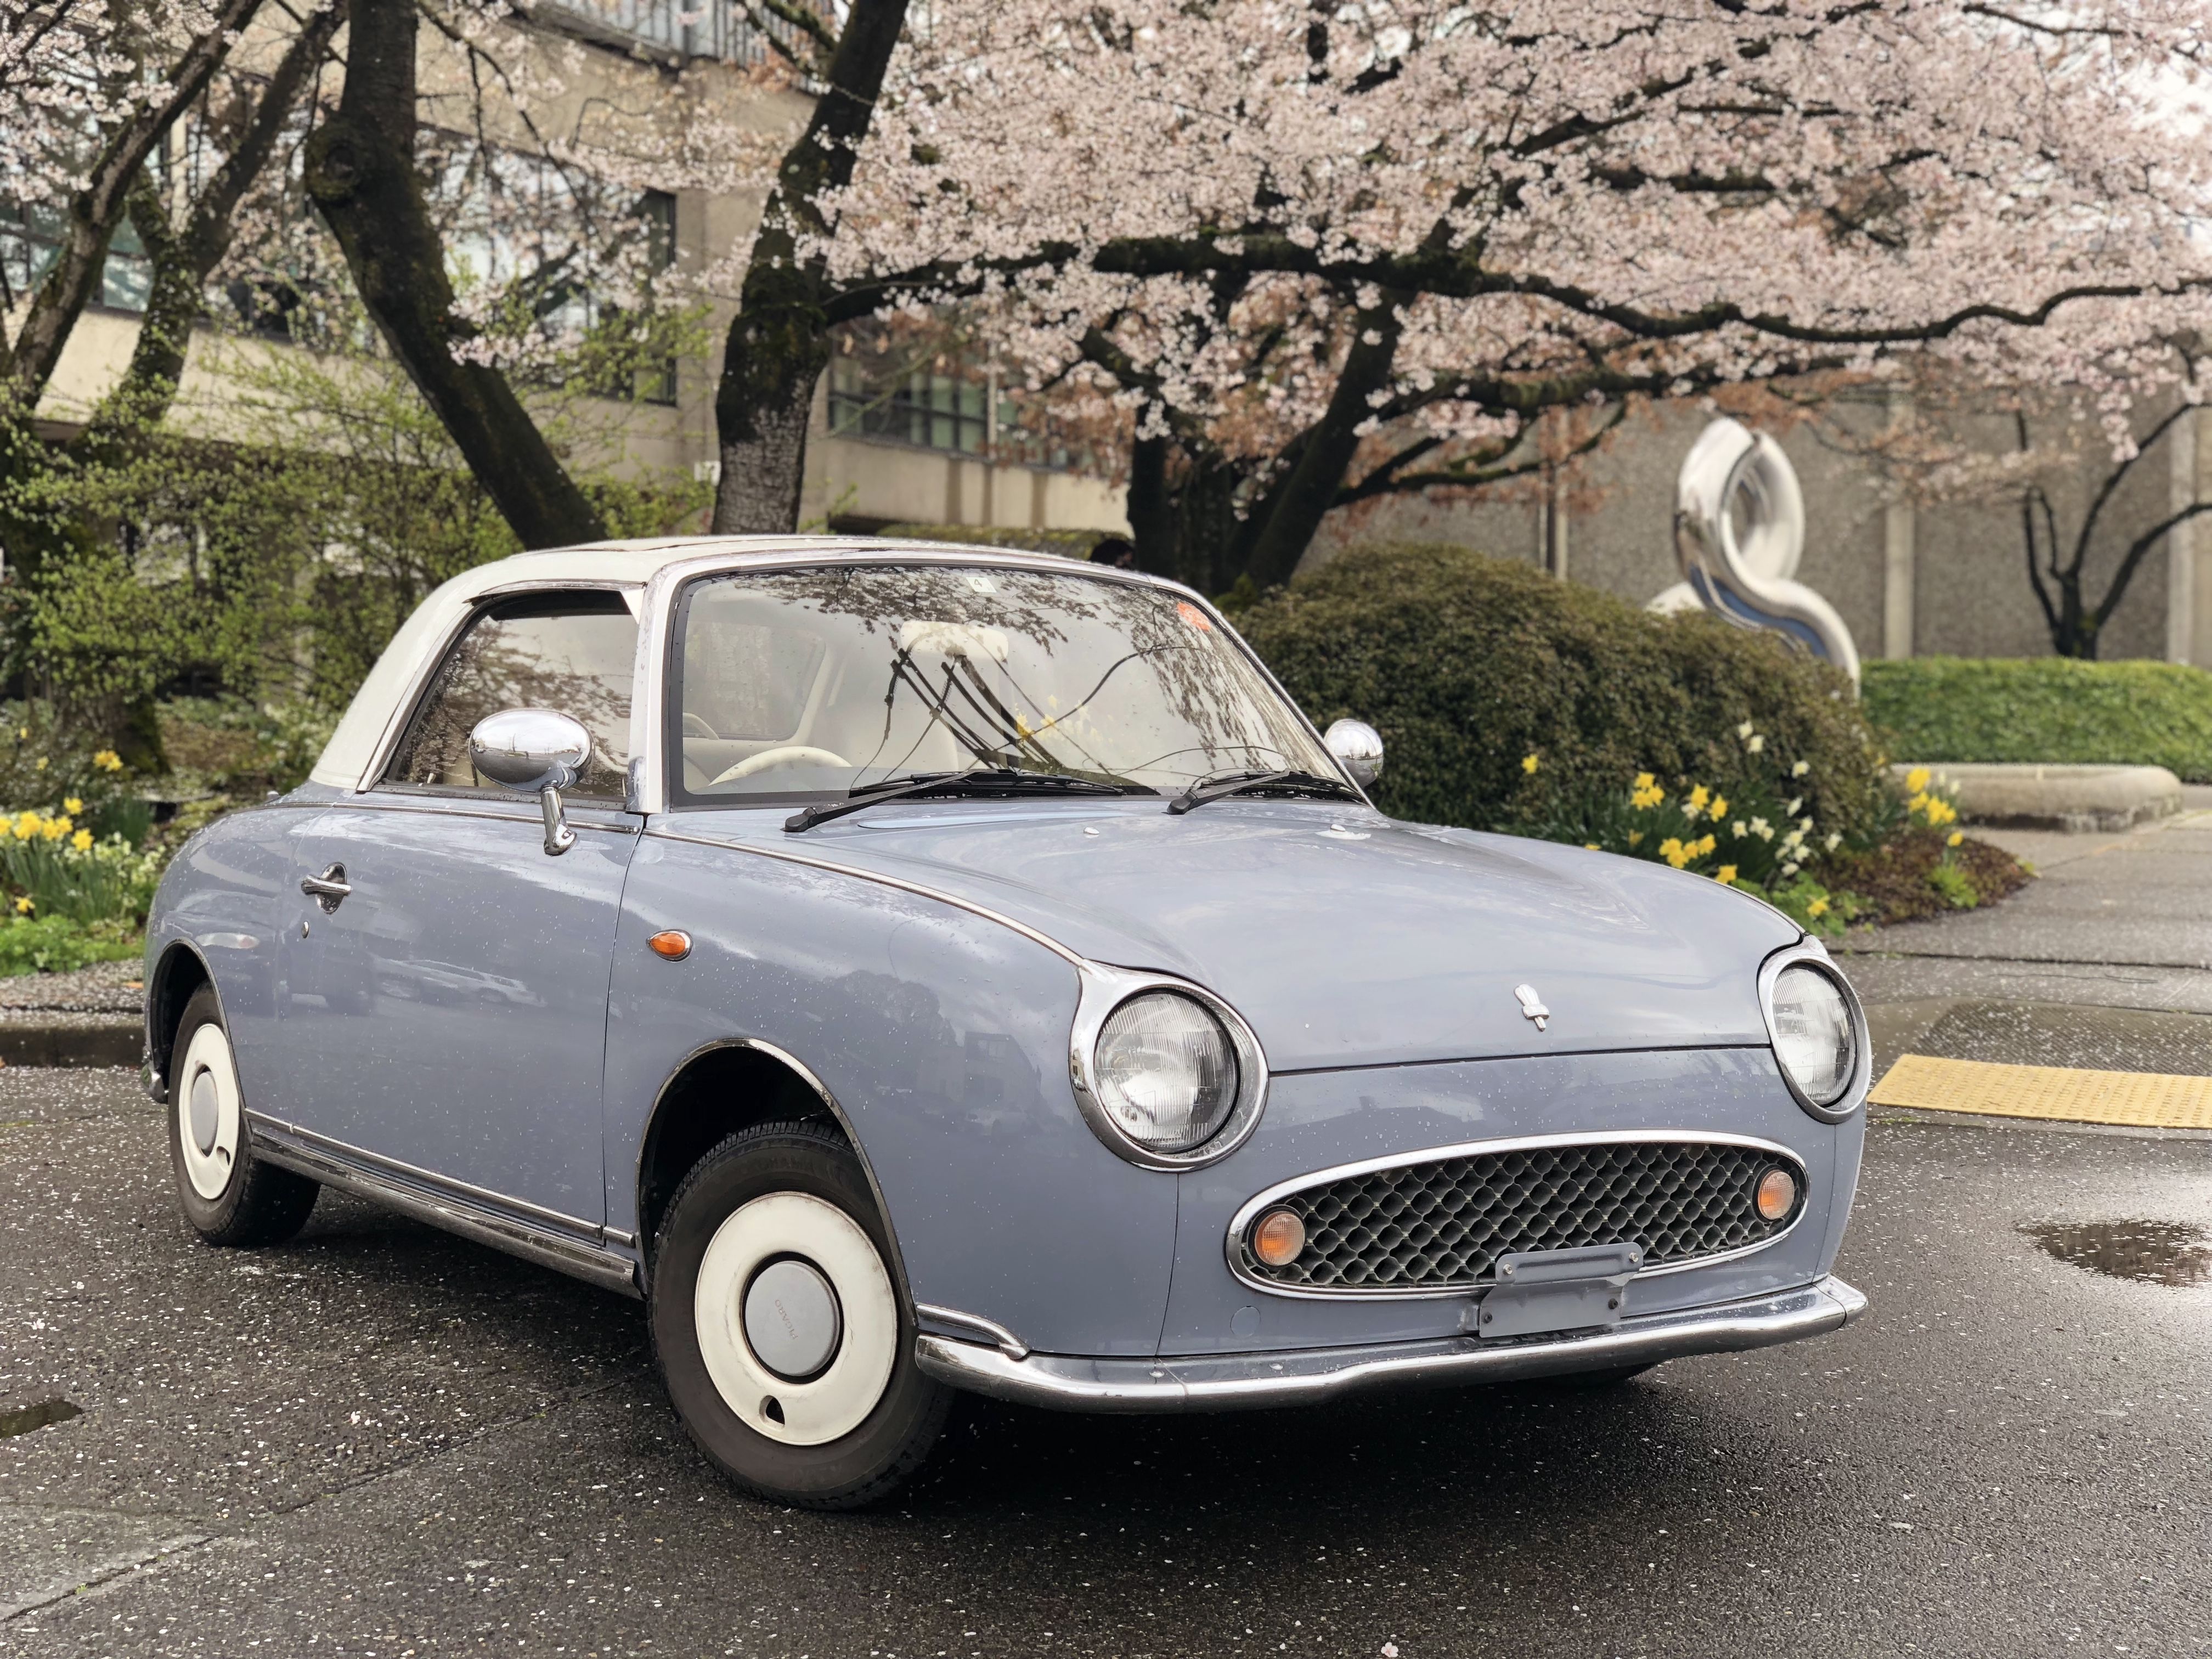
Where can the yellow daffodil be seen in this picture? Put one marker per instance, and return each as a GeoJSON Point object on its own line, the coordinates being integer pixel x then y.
{"type": "Point", "coordinates": [1702, 845]}
{"type": "Point", "coordinates": [1646, 795]}
{"type": "Point", "coordinates": [1529, 763]}
{"type": "Point", "coordinates": [1956, 836]}
{"type": "Point", "coordinates": [1744, 730]}
{"type": "Point", "coordinates": [1915, 780]}
{"type": "Point", "coordinates": [1725, 875]}
{"type": "Point", "coordinates": [1801, 769]}
{"type": "Point", "coordinates": [1592, 846]}
{"type": "Point", "coordinates": [25, 825]}
{"type": "Point", "coordinates": [24, 907]}
{"type": "Point", "coordinates": [1635, 837]}
{"type": "Point", "coordinates": [1720, 808]}
{"type": "Point", "coordinates": [1817, 907]}
{"type": "Point", "coordinates": [54, 829]}
{"type": "Point", "coordinates": [72, 806]}
{"type": "Point", "coordinates": [82, 840]}
{"type": "Point", "coordinates": [1645, 780]}
{"type": "Point", "coordinates": [39, 764]}
{"type": "Point", "coordinates": [1755, 745]}
{"type": "Point", "coordinates": [108, 761]}
{"type": "Point", "coordinates": [1698, 796]}
{"type": "Point", "coordinates": [1674, 852]}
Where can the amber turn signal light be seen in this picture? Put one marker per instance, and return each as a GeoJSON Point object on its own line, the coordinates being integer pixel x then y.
{"type": "Point", "coordinates": [1278, 1239]}
{"type": "Point", "coordinates": [675, 945]}
{"type": "Point", "coordinates": [1776, 1195]}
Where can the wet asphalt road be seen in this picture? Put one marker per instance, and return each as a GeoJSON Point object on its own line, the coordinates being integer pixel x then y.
{"type": "Point", "coordinates": [382, 1441]}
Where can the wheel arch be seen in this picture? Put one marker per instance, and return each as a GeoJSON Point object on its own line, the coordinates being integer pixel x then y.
{"type": "Point", "coordinates": [178, 975]}
{"type": "Point", "coordinates": [719, 1089]}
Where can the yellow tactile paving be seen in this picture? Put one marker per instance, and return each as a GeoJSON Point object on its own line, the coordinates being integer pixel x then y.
{"type": "Point", "coordinates": [2144, 1100]}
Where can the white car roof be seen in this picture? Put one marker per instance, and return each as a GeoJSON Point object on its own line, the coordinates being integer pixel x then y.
{"type": "Point", "coordinates": [627, 564]}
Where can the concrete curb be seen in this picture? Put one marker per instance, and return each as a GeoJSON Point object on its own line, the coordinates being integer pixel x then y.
{"type": "Point", "coordinates": [73, 1040]}
{"type": "Point", "coordinates": [2030, 795]}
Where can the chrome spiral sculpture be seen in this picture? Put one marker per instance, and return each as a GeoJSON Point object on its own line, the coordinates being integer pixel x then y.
{"type": "Point", "coordinates": [1734, 477]}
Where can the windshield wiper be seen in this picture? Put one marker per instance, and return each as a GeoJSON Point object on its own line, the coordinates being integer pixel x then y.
{"type": "Point", "coordinates": [980, 781]}
{"type": "Point", "coordinates": [1290, 782]}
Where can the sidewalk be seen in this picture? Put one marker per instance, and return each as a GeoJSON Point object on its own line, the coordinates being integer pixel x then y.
{"type": "Point", "coordinates": [2104, 961]}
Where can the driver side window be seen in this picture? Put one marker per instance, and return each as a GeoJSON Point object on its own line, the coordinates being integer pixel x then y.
{"type": "Point", "coordinates": [573, 653]}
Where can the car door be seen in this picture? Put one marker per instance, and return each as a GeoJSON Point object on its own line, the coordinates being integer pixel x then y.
{"type": "Point", "coordinates": [448, 1011]}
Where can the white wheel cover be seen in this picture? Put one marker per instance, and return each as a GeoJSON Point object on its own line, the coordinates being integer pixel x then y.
{"type": "Point", "coordinates": [837, 1402]}
{"type": "Point", "coordinates": [209, 1057]}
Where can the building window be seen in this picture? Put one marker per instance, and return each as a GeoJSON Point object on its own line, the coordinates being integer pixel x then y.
{"type": "Point", "coordinates": [678, 30]}
{"type": "Point", "coordinates": [930, 411]}
{"type": "Point", "coordinates": [29, 237]}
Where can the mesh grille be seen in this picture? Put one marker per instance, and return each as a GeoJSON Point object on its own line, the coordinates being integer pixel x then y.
{"type": "Point", "coordinates": [1445, 1223]}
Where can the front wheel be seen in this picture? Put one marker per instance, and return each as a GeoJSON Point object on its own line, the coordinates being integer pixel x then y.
{"type": "Point", "coordinates": [228, 1196]}
{"type": "Point", "coordinates": [778, 1328]}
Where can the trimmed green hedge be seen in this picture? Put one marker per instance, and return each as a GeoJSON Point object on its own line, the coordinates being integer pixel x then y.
{"type": "Point", "coordinates": [1468, 665]}
{"type": "Point", "coordinates": [2044, 708]}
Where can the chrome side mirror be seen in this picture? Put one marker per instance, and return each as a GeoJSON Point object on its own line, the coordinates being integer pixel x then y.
{"type": "Point", "coordinates": [1357, 747]}
{"type": "Point", "coordinates": [534, 751]}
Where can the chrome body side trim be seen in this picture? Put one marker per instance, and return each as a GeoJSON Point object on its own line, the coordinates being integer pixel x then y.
{"type": "Point", "coordinates": [1103, 990]}
{"type": "Point", "coordinates": [546, 1236]}
{"type": "Point", "coordinates": [1811, 953]}
{"type": "Point", "coordinates": [1306, 1376]}
{"type": "Point", "coordinates": [917, 889]}
{"type": "Point", "coordinates": [988, 1330]}
{"type": "Point", "coordinates": [1250, 1209]}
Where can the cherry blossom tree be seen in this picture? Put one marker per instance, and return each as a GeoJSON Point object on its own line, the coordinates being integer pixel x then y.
{"type": "Point", "coordinates": [1328, 252]}
{"type": "Point", "coordinates": [88, 90]}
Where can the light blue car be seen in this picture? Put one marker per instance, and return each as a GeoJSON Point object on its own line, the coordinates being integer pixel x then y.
{"type": "Point", "coordinates": [912, 969]}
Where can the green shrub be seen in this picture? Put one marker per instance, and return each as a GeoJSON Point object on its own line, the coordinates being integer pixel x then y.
{"type": "Point", "coordinates": [1468, 665]}
{"type": "Point", "coordinates": [2056, 709]}
{"type": "Point", "coordinates": [55, 944]}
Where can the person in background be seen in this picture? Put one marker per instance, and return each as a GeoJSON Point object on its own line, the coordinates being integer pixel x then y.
{"type": "Point", "coordinates": [1117, 550]}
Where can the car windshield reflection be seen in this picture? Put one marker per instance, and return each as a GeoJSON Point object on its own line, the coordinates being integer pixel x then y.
{"type": "Point", "coordinates": [827, 681]}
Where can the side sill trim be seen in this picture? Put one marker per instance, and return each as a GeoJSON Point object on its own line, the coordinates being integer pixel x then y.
{"type": "Point", "coordinates": [1303, 1376]}
{"type": "Point", "coordinates": [580, 1254]}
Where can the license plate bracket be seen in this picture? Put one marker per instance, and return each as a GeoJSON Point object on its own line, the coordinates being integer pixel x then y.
{"type": "Point", "coordinates": [1540, 1292]}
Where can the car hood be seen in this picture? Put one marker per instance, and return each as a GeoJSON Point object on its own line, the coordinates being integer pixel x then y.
{"type": "Point", "coordinates": [1344, 938]}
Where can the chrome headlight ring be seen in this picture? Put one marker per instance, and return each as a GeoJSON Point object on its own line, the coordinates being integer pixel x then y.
{"type": "Point", "coordinates": [1103, 990]}
{"type": "Point", "coordinates": [1811, 953]}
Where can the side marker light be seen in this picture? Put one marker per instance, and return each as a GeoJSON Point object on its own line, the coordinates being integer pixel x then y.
{"type": "Point", "coordinates": [1278, 1238]}
{"type": "Point", "coordinates": [675, 945]}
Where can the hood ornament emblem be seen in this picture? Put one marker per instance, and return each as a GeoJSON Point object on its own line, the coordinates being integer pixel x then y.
{"type": "Point", "coordinates": [1532, 1006]}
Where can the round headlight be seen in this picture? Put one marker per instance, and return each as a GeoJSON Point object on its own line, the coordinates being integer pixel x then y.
{"type": "Point", "coordinates": [1166, 1071]}
{"type": "Point", "coordinates": [1813, 1035]}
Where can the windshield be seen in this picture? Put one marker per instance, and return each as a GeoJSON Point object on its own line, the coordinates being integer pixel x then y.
{"type": "Point", "coordinates": [824, 680]}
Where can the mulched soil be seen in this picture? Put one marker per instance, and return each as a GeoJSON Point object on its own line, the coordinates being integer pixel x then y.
{"type": "Point", "coordinates": [1894, 881]}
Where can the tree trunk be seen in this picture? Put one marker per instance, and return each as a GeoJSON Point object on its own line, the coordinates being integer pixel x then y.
{"type": "Point", "coordinates": [779, 342]}
{"type": "Point", "coordinates": [361, 171]}
{"type": "Point", "coordinates": [1289, 515]}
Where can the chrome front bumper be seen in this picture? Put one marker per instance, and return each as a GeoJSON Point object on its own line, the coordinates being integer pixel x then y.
{"type": "Point", "coordinates": [1302, 1376]}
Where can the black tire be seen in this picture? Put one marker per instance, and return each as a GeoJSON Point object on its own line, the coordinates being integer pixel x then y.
{"type": "Point", "coordinates": [257, 1203]}
{"type": "Point", "coordinates": [871, 1459]}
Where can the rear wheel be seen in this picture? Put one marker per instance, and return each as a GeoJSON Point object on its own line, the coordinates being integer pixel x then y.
{"type": "Point", "coordinates": [228, 1196]}
{"type": "Point", "coordinates": [779, 1329]}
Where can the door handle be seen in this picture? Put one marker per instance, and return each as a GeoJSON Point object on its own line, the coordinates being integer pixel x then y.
{"type": "Point", "coordinates": [328, 890]}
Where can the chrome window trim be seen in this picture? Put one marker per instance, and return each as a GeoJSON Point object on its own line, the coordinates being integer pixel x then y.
{"type": "Point", "coordinates": [1250, 1210]}
{"type": "Point", "coordinates": [1810, 952]}
{"type": "Point", "coordinates": [1105, 988]}
{"type": "Point", "coordinates": [657, 617]}
{"type": "Point", "coordinates": [418, 680]}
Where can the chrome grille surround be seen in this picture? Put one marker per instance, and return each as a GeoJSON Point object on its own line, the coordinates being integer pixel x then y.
{"type": "Point", "coordinates": [1433, 1223]}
